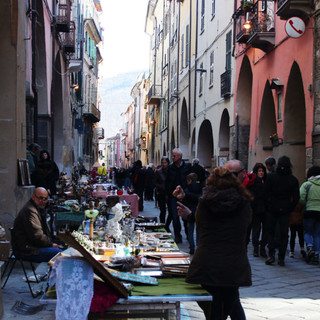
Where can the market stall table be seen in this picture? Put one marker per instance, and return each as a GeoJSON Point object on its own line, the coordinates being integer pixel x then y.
{"type": "Point", "coordinates": [155, 301]}
{"type": "Point", "coordinates": [130, 199]}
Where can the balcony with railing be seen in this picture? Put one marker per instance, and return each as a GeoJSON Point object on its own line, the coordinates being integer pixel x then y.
{"type": "Point", "coordinates": [154, 95]}
{"type": "Point", "coordinates": [68, 39]}
{"type": "Point", "coordinates": [294, 8]}
{"type": "Point", "coordinates": [262, 32]}
{"type": "Point", "coordinates": [91, 113]}
{"type": "Point", "coordinates": [255, 24]}
{"type": "Point", "coordinates": [63, 17]}
{"type": "Point", "coordinates": [225, 80]}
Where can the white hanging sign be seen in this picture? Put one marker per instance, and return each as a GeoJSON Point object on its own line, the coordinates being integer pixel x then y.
{"type": "Point", "coordinates": [295, 27]}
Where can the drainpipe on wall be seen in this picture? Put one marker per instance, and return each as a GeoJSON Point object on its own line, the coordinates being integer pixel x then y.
{"type": "Point", "coordinates": [33, 66]}
{"type": "Point", "coordinates": [178, 71]}
{"type": "Point", "coordinates": [169, 89]}
{"type": "Point", "coordinates": [189, 71]}
{"type": "Point", "coordinates": [53, 30]}
{"type": "Point", "coordinates": [195, 63]}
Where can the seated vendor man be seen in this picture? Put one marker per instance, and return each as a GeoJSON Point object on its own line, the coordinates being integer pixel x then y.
{"type": "Point", "coordinates": [31, 238]}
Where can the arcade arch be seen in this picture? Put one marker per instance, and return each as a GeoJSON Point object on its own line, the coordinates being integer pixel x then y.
{"type": "Point", "coordinates": [205, 144]}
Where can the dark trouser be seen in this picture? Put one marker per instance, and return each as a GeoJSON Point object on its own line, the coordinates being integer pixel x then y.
{"type": "Point", "coordinates": [225, 302]}
{"type": "Point", "coordinates": [282, 220]}
{"type": "Point", "coordinates": [294, 229]}
{"type": "Point", "coordinates": [140, 195]}
{"type": "Point", "coordinates": [162, 203]}
{"type": "Point", "coordinates": [175, 218]}
{"type": "Point", "coordinates": [259, 225]}
{"type": "Point", "coordinates": [45, 254]}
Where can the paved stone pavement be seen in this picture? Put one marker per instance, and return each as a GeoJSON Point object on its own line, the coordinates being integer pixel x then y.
{"type": "Point", "coordinates": [278, 293]}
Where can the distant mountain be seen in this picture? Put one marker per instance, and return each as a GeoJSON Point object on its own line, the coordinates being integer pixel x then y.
{"type": "Point", "coordinates": [115, 99]}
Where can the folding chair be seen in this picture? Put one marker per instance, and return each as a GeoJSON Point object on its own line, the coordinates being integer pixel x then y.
{"type": "Point", "coordinates": [12, 261]}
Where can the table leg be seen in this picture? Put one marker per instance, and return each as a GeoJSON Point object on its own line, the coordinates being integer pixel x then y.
{"type": "Point", "coordinates": [178, 311]}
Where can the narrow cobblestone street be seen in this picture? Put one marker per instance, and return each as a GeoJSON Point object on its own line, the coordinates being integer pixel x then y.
{"type": "Point", "coordinates": [278, 293]}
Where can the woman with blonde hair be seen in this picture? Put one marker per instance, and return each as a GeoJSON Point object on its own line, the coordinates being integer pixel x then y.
{"type": "Point", "coordinates": [220, 263]}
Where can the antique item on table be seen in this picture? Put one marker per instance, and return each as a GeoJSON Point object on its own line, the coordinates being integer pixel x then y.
{"type": "Point", "coordinates": [112, 200]}
{"type": "Point", "coordinates": [91, 213]}
{"type": "Point", "coordinates": [149, 272]}
{"type": "Point", "coordinates": [129, 277]}
{"type": "Point", "coordinates": [113, 224]}
{"type": "Point", "coordinates": [175, 261]}
{"type": "Point", "coordinates": [98, 267]}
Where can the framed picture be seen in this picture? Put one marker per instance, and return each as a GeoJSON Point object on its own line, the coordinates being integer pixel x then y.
{"type": "Point", "coordinates": [222, 161]}
{"type": "Point", "coordinates": [23, 172]}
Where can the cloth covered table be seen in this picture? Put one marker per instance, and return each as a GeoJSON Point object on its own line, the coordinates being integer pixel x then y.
{"type": "Point", "coordinates": [73, 278]}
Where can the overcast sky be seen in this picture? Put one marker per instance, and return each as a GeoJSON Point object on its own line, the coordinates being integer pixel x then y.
{"type": "Point", "coordinates": [125, 56]}
{"type": "Point", "coordinates": [126, 45]}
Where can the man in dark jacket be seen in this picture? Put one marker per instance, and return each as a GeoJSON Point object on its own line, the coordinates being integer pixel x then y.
{"type": "Point", "coordinates": [200, 171]}
{"type": "Point", "coordinates": [31, 234]}
{"type": "Point", "coordinates": [177, 173]}
{"type": "Point", "coordinates": [282, 190]}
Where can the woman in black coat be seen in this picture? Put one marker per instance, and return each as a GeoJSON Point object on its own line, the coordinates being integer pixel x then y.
{"type": "Point", "coordinates": [52, 175]}
{"type": "Point", "coordinates": [220, 263]}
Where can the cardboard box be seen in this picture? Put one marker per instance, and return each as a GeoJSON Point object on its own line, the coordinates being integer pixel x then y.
{"type": "Point", "coordinates": [4, 250]}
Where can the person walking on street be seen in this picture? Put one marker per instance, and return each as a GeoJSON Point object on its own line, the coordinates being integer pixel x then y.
{"type": "Point", "coordinates": [138, 181]}
{"type": "Point", "coordinates": [161, 193]}
{"type": "Point", "coordinates": [310, 198]}
{"type": "Point", "coordinates": [102, 170]}
{"type": "Point", "coordinates": [259, 214]}
{"type": "Point", "coordinates": [282, 189]}
{"type": "Point", "coordinates": [177, 173]}
{"type": "Point", "coordinates": [220, 263]}
{"type": "Point", "coordinates": [199, 171]}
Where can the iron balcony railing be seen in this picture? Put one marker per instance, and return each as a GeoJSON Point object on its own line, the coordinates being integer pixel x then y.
{"type": "Point", "coordinates": [262, 16]}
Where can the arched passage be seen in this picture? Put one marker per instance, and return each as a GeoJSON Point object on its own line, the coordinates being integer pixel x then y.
{"type": "Point", "coordinates": [193, 144]}
{"type": "Point", "coordinates": [205, 143]}
{"type": "Point", "coordinates": [294, 129]}
{"type": "Point", "coordinates": [184, 130]}
{"type": "Point", "coordinates": [173, 144]}
{"type": "Point", "coordinates": [267, 126]}
{"type": "Point", "coordinates": [243, 112]}
{"type": "Point", "coordinates": [224, 132]}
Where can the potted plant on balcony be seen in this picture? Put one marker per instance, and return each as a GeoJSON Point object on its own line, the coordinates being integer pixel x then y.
{"type": "Point", "coordinates": [246, 5]}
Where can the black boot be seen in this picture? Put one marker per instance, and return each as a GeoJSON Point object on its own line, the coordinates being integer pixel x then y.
{"type": "Point", "coordinates": [263, 252]}
{"type": "Point", "coordinates": [256, 251]}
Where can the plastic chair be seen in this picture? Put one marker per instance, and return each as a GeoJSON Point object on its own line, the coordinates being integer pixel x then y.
{"type": "Point", "coordinates": [12, 261]}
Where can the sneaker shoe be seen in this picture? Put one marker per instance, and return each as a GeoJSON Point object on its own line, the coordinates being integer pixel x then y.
{"type": "Point", "coordinates": [281, 262]}
{"type": "Point", "coordinates": [263, 252]}
{"type": "Point", "coordinates": [291, 254]}
{"type": "Point", "coordinates": [270, 260]}
{"type": "Point", "coordinates": [309, 254]}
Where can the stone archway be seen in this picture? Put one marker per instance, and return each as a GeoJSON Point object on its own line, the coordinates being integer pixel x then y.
{"type": "Point", "coordinates": [243, 112]}
{"type": "Point", "coordinates": [172, 142]}
{"type": "Point", "coordinates": [294, 128]}
{"type": "Point", "coordinates": [184, 130]}
{"type": "Point", "coordinates": [224, 134]}
{"type": "Point", "coordinates": [193, 144]}
{"type": "Point", "coordinates": [205, 144]}
{"type": "Point", "coordinates": [267, 127]}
